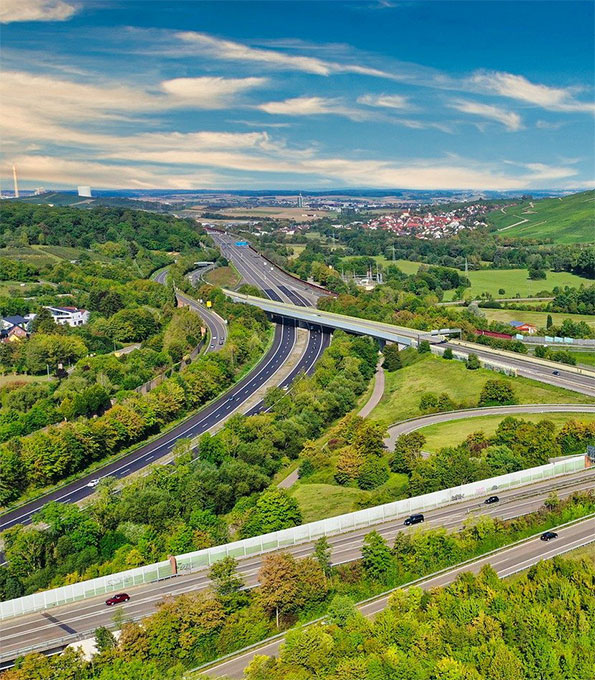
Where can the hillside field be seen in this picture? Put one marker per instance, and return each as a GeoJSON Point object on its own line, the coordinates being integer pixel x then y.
{"type": "Point", "coordinates": [404, 388]}
{"type": "Point", "coordinates": [570, 219]}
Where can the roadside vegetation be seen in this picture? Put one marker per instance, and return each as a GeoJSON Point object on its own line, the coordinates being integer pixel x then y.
{"type": "Point", "coordinates": [454, 432]}
{"type": "Point", "coordinates": [210, 496]}
{"type": "Point", "coordinates": [506, 628]}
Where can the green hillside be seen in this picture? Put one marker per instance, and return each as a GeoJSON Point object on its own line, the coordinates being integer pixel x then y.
{"type": "Point", "coordinates": [570, 219]}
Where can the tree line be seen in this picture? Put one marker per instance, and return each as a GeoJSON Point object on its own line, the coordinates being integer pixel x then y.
{"type": "Point", "coordinates": [536, 626]}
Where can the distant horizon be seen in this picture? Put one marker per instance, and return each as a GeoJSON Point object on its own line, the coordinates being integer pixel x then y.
{"type": "Point", "coordinates": [350, 191]}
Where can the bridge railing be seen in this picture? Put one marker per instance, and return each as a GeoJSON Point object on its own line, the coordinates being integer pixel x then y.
{"type": "Point", "coordinates": [332, 526]}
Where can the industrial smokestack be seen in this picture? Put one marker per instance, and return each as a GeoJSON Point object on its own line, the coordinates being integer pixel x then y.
{"type": "Point", "coordinates": [16, 182]}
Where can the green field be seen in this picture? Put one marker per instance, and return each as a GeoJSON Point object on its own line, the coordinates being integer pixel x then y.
{"type": "Point", "coordinates": [404, 388]}
{"type": "Point", "coordinates": [538, 319]}
{"type": "Point", "coordinates": [318, 501]}
{"type": "Point", "coordinates": [325, 500]}
{"type": "Point", "coordinates": [297, 250]}
{"type": "Point", "coordinates": [11, 378]}
{"type": "Point", "coordinates": [570, 219]}
{"type": "Point", "coordinates": [585, 358]}
{"type": "Point", "coordinates": [515, 281]}
{"type": "Point", "coordinates": [406, 266]}
{"type": "Point", "coordinates": [224, 277]}
{"type": "Point", "coordinates": [456, 431]}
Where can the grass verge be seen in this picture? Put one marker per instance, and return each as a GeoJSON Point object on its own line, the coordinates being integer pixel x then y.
{"type": "Point", "coordinates": [454, 432]}
{"type": "Point", "coordinates": [404, 388]}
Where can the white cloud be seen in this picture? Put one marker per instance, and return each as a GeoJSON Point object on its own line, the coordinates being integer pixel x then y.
{"type": "Point", "coordinates": [229, 50]}
{"type": "Point", "coordinates": [313, 106]}
{"type": "Point", "coordinates": [41, 107]}
{"type": "Point", "coordinates": [208, 92]}
{"type": "Point", "coordinates": [521, 89]}
{"type": "Point", "coordinates": [36, 10]}
{"type": "Point", "coordinates": [510, 120]}
{"type": "Point", "coordinates": [61, 171]}
{"type": "Point", "coordinates": [389, 101]}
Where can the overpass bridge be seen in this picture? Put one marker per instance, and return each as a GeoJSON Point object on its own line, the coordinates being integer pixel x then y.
{"type": "Point", "coordinates": [383, 332]}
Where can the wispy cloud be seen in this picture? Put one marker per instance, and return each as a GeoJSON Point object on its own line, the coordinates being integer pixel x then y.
{"type": "Point", "coordinates": [510, 120]}
{"type": "Point", "coordinates": [519, 88]}
{"type": "Point", "coordinates": [230, 50]}
{"type": "Point", "coordinates": [36, 10]}
{"type": "Point", "coordinates": [388, 101]}
{"type": "Point", "coordinates": [313, 106]}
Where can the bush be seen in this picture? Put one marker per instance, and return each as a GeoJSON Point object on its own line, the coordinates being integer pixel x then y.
{"type": "Point", "coordinates": [496, 392]}
{"type": "Point", "coordinates": [372, 474]}
{"type": "Point", "coordinates": [472, 362]}
{"type": "Point", "coordinates": [448, 354]}
{"type": "Point", "coordinates": [392, 358]}
{"type": "Point", "coordinates": [423, 347]}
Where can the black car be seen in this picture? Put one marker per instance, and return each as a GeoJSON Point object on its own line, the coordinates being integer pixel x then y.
{"type": "Point", "coordinates": [414, 519]}
{"type": "Point", "coordinates": [555, 372]}
{"type": "Point", "coordinates": [491, 499]}
{"type": "Point", "coordinates": [549, 535]}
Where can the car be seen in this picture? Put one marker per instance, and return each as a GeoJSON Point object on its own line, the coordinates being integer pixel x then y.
{"type": "Point", "coordinates": [555, 372]}
{"type": "Point", "coordinates": [93, 483]}
{"type": "Point", "coordinates": [221, 341]}
{"type": "Point", "coordinates": [491, 499]}
{"type": "Point", "coordinates": [414, 519]}
{"type": "Point", "coordinates": [549, 535]}
{"type": "Point", "coordinates": [117, 599]}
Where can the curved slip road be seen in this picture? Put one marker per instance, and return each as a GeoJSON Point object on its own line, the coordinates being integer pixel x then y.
{"type": "Point", "coordinates": [200, 422]}
{"type": "Point", "coordinates": [215, 324]}
{"type": "Point", "coordinates": [84, 616]}
{"type": "Point", "coordinates": [505, 562]}
{"type": "Point", "coordinates": [406, 426]}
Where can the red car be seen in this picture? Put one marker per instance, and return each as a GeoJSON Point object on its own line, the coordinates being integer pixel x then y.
{"type": "Point", "coordinates": [116, 599]}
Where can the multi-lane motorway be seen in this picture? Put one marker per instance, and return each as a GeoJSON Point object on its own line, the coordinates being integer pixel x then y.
{"type": "Point", "coordinates": [504, 563]}
{"type": "Point", "coordinates": [279, 287]}
{"type": "Point", "coordinates": [69, 621]}
{"type": "Point", "coordinates": [228, 404]}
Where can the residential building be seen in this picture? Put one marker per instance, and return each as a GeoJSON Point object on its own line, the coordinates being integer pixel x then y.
{"type": "Point", "coordinates": [69, 315]}
{"type": "Point", "coordinates": [521, 327]}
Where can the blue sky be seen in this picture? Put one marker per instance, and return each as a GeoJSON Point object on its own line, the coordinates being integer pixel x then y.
{"type": "Point", "coordinates": [304, 95]}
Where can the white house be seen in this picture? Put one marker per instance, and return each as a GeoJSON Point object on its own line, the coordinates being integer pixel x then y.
{"type": "Point", "coordinates": [69, 315]}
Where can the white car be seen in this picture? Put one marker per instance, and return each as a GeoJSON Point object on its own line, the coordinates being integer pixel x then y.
{"type": "Point", "coordinates": [93, 483]}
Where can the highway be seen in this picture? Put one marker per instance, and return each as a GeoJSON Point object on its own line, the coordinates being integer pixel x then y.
{"type": "Point", "coordinates": [582, 381]}
{"type": "Point", "coordinates": [70, 621]}
{"type": "Point", "coordinates": [505, 563]}
{"type": "Point", "coordinates": [202, 421]}
{"type": "Point", "coordinates": [215, 324]}
{"type": "Point", "coordinates": [279, 287]}
{"type": "Point", "coordinates": [413, 424]}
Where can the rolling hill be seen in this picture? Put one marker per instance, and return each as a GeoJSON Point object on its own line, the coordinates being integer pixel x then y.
{"type": "Point", "coordinates": [570, 219]}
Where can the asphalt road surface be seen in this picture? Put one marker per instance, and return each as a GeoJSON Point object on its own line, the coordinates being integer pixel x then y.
{"type": "Point", "coordinates": [219, 410]}
{"type": "Point", "coordinates": [505, 563]}
{"type": "Point", "coordinates": [585, 384]}
{"type": "Point", "coordinates": [216, 325]}
{"type": "Point", "coordinates": [71, 620]}
{"type": "Point", "coordinates": [407, 426]}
